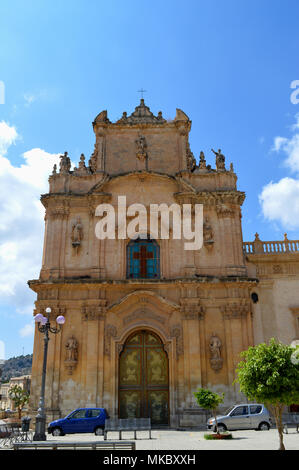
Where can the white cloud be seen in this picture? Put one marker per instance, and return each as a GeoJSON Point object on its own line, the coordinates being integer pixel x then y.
{"type": "Point", "coordinates": [280, 200]}
{"type": "Point", "coordinates": [21, 219]}
{"type": "Point", "coordinates": [27, 330]}
{"type": "Point", "coordinates": [29, 99]}
{"type": "Point", "coordinates": [8, 136]}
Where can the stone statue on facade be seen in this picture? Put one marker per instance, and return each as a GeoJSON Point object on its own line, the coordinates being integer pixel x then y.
{"type": "Point", "coordinates": [141, 153]}
{"type": "Point", "coordinates": [208, 235]}
{"type": "Point", "coordinates": [65, 163]}
{"type": "Point", "coordinates": [202, 161]}
{"type": "Point", "coordinates": [77, 233]}
{"type": "Point", "coordinates": [216, 360]}
{"type": "Point", "coordinates": [220, 160]}
{"type": "Point", "coordinates": [141, 145]}
{"type": "Point", "coordinates": [71, 358]}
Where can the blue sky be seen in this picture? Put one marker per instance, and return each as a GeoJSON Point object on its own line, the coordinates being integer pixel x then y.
{"type": "Point", "coordinates": [228, 64]}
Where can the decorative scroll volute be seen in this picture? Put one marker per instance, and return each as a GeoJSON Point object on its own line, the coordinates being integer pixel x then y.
{"type": "Point", "coordinates": [177, 333]}
{"type": "Point", "coordinates": [110, 332]}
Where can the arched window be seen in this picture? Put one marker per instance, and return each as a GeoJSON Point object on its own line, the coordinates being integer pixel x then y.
{"type": "Point", "coordinates": [143, 259]}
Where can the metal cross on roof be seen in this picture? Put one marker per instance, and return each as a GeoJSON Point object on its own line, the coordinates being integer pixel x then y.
{"type": "Point", "coordinates": [142, 91]}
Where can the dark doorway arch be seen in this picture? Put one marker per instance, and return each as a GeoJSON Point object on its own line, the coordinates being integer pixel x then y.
{"type": "Point", "coordinates": [144, 378]}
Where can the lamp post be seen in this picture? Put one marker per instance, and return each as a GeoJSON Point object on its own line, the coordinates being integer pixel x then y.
{"type": "Point", "coordinates": [44, 327]}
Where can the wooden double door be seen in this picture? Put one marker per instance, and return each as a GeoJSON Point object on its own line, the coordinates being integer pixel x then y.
{"type": "Point", "coordinates": [144, 379]}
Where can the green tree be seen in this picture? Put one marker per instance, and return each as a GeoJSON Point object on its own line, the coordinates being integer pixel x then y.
{"type": "Point", "coordinates": [19, 396]}
{"type": "Point", "coordinates": [209, 400]}
{"type": "Point", "coordinates": [269, 374]}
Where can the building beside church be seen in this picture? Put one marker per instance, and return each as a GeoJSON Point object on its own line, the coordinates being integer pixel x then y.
{"type": "Point", "coordinates": [148, 322]}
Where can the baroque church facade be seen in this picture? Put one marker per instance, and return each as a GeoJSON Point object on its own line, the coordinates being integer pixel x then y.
{"type": "Point", "coordinates": [148, 322]}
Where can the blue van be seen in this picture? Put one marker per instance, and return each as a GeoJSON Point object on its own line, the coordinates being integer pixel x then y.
{"type": "Point", "coordinates": [79, 421]}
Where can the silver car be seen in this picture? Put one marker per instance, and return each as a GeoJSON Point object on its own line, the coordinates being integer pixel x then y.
{"type": "Point", "coordinates": [247, 416]}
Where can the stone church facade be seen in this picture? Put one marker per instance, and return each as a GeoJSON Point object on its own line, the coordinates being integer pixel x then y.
{"type": "Point", "coordinates": [148, 322]}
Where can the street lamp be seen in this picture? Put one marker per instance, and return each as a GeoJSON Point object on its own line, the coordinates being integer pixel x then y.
{"type": "Point", "coordinates": [44, 326]}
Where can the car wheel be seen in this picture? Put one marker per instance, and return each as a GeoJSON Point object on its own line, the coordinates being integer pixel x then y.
{"type": "Point", "coordinates": [264, 427]}
{"type": "Point", "coordinates": [98, 431]}
{"type": "Point", "coordinates": [221, 428]}
{"type": "Point", "coordinates": [56, 432]}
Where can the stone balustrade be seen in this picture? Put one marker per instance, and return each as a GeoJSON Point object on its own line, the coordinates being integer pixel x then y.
{"type": "Point", "coordinates": [271, 247]}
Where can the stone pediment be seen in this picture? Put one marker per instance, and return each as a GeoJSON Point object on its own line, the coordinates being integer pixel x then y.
{"type": "Point", "coordinates": [141, 115]}
{"type": "Point", "coordinates": [143, 299]}
{"type": "Point", "coordinates": [184, 187]}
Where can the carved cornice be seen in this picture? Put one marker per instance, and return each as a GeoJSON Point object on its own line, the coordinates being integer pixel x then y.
{"type": "Point", "coordinates": [237, 309]}
{"type": "Point", "coordinates": [225, 211]}
{"type": "Point", "coordinates": [212, 198]}
{"type": "Point", "coordinates": [57, 207]}
{"type": "Point", "coordinates": [94, 312]}
{"type": "Point", "coordinates": [191, 309]}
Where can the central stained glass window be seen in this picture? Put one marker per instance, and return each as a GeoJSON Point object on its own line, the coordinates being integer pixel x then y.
{"type": "Point", "coordinates": [143, 259]}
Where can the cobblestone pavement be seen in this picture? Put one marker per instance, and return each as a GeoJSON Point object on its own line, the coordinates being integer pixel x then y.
{"type": "Point", "coordinates": [194, 440]}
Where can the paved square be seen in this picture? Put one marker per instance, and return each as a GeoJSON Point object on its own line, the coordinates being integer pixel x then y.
{"type": "Point", "coordinates": [194, 440]}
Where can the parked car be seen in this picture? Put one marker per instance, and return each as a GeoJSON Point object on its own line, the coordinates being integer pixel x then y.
{"type": "Point", "coordinates": [244, 416]}
{"type": "Point", "coordinates": [79, 421]}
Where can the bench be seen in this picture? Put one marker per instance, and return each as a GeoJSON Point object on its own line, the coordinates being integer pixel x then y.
{"type": "Point", "coordinates": [11, 433]}
{"type": "Point", "coordinates": [129, 424]}
{"type": "Point", "coordinates": [60, 445]}
{"type": "Point", "coordinates": [291, 420]}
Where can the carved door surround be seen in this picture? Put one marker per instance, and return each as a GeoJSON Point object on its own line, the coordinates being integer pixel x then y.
{"type": "Point", "coordinates": [144, 378]}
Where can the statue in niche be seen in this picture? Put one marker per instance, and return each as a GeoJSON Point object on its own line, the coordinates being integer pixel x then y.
{"type": "Point", "coordinates": [208, 236]}
{"type": "Point", "coordinates": [216, 360]}
{"type": "Point", "coordinates": [141, 153]}
{"type": "Point", "coordinates": [77, 233]}
{"type": "Point", "coordinates": [220, 160]}
{"type": "Point", "coordinates": [71, 358]}
{"type": "Point", "coordinates": [141, 146]}
{"type": "Point", "coordinates": [71, 347]}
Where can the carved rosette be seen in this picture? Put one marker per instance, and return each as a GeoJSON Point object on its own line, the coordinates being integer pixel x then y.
{"type": "Point", "coordinates": [177, 333]}
{"type": "Point", "coordinates": [110, 332]}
